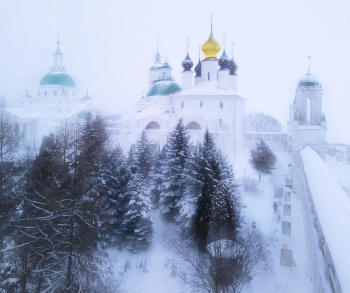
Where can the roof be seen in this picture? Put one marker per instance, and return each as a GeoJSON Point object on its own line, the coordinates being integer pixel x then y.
{"type": "Point", "coordinates": [309, 80]}
{"type": "Point", "coordinates": [53, 78]}
{"type": "Point", "coordinates": [332, 204]}
{"type": "Point", "coordinates": [164, 88]}
{"type": "Point", "coordinates": [58, 51]}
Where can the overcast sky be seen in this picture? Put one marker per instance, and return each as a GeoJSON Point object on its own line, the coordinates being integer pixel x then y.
{"type": "Point", "coordinates": [110, 45]}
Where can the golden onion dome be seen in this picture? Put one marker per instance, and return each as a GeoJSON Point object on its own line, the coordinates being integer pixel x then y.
{"type": "Point", "coordinates": [211, 48]}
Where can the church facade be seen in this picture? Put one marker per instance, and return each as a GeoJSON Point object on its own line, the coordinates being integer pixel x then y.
{"type": "Point", "coordinates": [207, 99]}
{"type": "Point", "coordinates": [57, 100]}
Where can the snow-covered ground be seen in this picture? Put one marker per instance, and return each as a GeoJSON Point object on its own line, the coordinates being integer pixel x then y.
{"type": "Point", "coordinates": [340, 168]}
{"type": "Point", "coordinates": [259, 209]}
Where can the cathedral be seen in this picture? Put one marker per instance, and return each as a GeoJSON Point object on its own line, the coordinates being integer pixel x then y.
{"type": "Point", "coordinates": [206, 99]}
{"type": "Point", "coordinates": [58, 99]}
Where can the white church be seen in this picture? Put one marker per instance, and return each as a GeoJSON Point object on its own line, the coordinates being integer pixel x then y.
{"type": "Point", "coordinates": [207, 99]}
{"type": "Point", "coordinates": [58, 99]}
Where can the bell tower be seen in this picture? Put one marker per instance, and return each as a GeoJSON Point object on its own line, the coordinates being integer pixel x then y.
{"type": "Point", "coordinates": [307, 123]}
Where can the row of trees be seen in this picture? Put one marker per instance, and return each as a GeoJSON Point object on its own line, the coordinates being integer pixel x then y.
{"type": "Point", "coordinates": [57, 216]}
{"type": "Point", "coordinates": [78, 194]}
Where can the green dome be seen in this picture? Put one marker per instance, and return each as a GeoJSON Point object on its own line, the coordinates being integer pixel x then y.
{"type": "Point", "coordinates": [309, 80]}
{"type": "Point", "coordinates": [63, 79]}
{"type": "Point", "coordinates": [166, 65]}
{"type": "Point", "coordinates": [164, 88]}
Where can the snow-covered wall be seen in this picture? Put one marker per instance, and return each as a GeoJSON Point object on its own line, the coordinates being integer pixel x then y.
{"type": "Point", "coordinates": [327, 212]}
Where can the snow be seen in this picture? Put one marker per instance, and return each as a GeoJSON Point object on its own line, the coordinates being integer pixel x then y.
{"type": "Point", "coordinates": [154, 278]}
{"type": "Point", "coordinates": [333, 209]}
{"type": "Point", "coordinates": [259, 209]}
{"type": "Point", "coordinates": [339, 165]}
{"type": "Point", "coordinates": [209, 88]}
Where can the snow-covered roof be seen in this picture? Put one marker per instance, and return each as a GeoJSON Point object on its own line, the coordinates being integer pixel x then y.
{"type": "Point", "coordinates": [332, 204]}
{"type": "Point", "coordinates": [206, 88]}
{"type": "Point", "coordinates": [45, 111]}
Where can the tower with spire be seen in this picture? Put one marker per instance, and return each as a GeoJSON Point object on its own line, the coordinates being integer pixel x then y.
{"type": "Point", "coordinates": [307, 122]}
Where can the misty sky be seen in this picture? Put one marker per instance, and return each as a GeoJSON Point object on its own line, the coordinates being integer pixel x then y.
{"type": "Point", "coordinates": [110, 45]}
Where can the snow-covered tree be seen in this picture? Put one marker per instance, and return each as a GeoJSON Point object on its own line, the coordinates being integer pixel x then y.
{"type": "Point", "coordinates": [137, 226]}
{"type": "Point", "coordinates": [10, 144]}
{"type": "Point", "coordinates": [119, 175]}
{"type": "Point", "coordinates": [156, 177]}
{"type": "Point", "coordinates": [262, 122]}
{"type": "Point", "coordinates": [143, 157]}
{"type": "Point", "coordinates": [173, 186]}
{"type": "Point", "coordinates": [262, 158]}
{"type": "Point", "coordinates": [210, 207]}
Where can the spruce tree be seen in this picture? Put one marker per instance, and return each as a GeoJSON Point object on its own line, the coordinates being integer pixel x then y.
{"type": "Point", "coordinates": [143, 157]}
{"type": "Point", "coordinates": [210, 207]}
{"type": "Point", "coordinates": [119, 175]}
{"type": "Point", "coordinates": [156, 178]}
{"type": "Point", "coordinates": [177, 153]}
{"type": "Point", "coordinates": [262, 158]}
{"type": "Point", "coordinates": [137, 226]}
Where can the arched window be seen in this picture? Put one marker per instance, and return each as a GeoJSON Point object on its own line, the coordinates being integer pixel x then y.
{"type": "Point", "coordinates": [153, 125]}
{"type": "Point", "coordinates": [193, 125]}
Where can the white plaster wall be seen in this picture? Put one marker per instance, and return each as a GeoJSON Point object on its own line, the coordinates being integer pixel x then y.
{"type": "Point", "coordinates": [212, 67]}
{"type": "Point", "coordinates": [187, 80]}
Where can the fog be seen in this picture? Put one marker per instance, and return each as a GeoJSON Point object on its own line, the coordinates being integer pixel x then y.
{"type": "Point", "coordinates": [110, 45]}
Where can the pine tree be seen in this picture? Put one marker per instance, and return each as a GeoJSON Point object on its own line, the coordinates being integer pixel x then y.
{"type": "Point", "coordinates": [177, 153]}
{"type": "Point", "coordinates": [210, 207]}
{"type": "Point", "coordinates": [137, 225]}
{"type": "Point", "coordinates": [262, 158]}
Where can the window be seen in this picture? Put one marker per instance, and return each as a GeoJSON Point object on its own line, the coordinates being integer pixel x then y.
{"type": "Point", "coordinates": [193, 125]}
{"type": "Point", "coordinates": [73, 94]}
{"type": "Point", "coordinates": [182, 104]}
{"type": "Point", "coordinates": [221, 105]}
{"type": "Point", "coordinates": [153, 125]}
{"type": "Point", "coordinates": [45, 93]}
{"type": "Point", "coordinates": [59, 102]}
{"type": "Point", "coordinates": [208, 75]}
{"type": "Point", "coordinates": [201, 104]}
{"type": "Point", "coordinates": [38, 93]}
{"type": "Point", "coordinates": [55, 93]}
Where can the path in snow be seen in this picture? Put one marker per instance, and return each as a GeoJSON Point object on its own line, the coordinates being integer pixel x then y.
{"type": "Point", "coordinates": [260, 209]}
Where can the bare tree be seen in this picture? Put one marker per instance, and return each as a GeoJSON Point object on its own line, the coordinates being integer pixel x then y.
{"type": "Point", "coordinates": [262, 123]}
{"type": "Point", "coordinates": [228, 265]}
